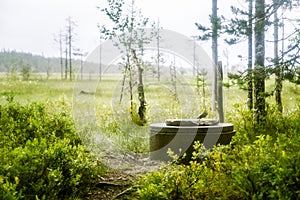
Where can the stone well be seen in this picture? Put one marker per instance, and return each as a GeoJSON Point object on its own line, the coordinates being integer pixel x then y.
{"type": "Point", "coordinates": [180, 136]}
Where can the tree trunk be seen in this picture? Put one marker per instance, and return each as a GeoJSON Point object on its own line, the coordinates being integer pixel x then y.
{"type": "Point", "coordinates": [220, 92]}
{"type": "Point", "coordinates": [218, 72]}
{"type": "Point", "coordinates": [100, 57]}
{"type": "Point", "coordinates": [173, 75]}
{"type": "Point", "coordinates": [158, 51]}
{"type": "Point", "coordinates": [250, 40]}
{"type": "Point", "coordinates": [61, 56]}
{"type": "Point", "coordinates": [66, 59]}
{"type": "Point", "coordinates": [278, 77]}
{"type": "Point", "coordinates": [259, 69]}
{"type": "Point", "coordinates": [214, 21]}
{"type": "Point", "coordinates": [140, 88]}
{"type": "Point", "coordinates": [70, 47]}
{"type": "Point", "coordinates": [123, 84]}
{"type": "Point", "coordinates": [130, 70]}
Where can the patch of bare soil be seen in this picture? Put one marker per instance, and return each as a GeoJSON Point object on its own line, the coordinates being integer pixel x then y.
{"type": "Point", "coordinates": [121, 181]}
{"type": "Point", "coordinates": [114, 185]}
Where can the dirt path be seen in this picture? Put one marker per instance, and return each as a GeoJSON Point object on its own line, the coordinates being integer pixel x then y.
{"type": "Point", "coordinates": [121, 182]}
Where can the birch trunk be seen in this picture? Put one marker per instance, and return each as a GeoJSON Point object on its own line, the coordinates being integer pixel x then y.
{"type": "Point", "coordinates": [140, 88]}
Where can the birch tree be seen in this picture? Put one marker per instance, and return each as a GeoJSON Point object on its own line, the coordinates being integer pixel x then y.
{"type": "Point", "coordinates": [127, 29]}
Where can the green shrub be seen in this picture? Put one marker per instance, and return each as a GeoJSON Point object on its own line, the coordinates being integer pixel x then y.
{"type": "Point", "coordinates": [48, 170]}
{"type": "Point", "coordinates": [268, 167]}
{"type": "Point", "coordinates": [275, 122]}
{"type": "Point", "coordinates": [20, 123]}
{"type": "Point", "coordinates": [120, 128]}
{"type": "Point", "coordinates": [41, 154]}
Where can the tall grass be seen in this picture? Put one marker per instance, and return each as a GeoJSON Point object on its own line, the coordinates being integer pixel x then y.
{"type": "Point", "coordinates": [107, 119]}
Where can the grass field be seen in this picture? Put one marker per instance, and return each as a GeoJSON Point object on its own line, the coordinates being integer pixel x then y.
{"type": "Point", "coordinates": [107, 91]}
{"type": "Point", "coordinates": [97, 103]}
{"type": "Point", "coordinates": [97, 108]}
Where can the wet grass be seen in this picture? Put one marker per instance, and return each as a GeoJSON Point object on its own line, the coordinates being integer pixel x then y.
{"type": "Point", "coordinates": [99, 112]}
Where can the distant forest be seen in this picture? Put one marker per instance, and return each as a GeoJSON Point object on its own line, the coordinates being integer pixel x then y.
{"type": "Point", "coordinates": [14, 62]}
{"type": "Point", "coordinates": [17, 61]}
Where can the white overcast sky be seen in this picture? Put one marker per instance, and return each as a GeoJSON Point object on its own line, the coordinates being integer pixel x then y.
{"type": "Point", "coordinates": [30, 25]}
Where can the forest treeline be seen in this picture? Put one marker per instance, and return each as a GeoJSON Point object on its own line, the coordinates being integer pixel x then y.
{"type": "Point", "coordinates": [18, 60]}
{"type": "Point", "coordinates": [14, 62]}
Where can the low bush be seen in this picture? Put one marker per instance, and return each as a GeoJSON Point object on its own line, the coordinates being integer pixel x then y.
{"type": "Point", "coordinates": [275, 123]}
{"type": "Point", "coordinates": [267, 167]}
{"type": "Point", "coordinates": [263, 170]}
{"type": "Point", "coordinates": [41, 155]}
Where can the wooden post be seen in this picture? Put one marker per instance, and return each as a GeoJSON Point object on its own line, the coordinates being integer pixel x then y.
{"type": "Point", "coordinates": [220, 92]}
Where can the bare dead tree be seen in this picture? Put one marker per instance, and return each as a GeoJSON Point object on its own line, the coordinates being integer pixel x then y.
{"type": "Point", "coordinates": [59, 39]}
{"type": "Point", "coordinates": [69, 38]}
{"type": "Point", "coordinates": [66, 57]}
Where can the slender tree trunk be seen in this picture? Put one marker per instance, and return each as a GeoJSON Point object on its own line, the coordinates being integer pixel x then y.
{"type": "Point", "coordinates": [70, 47]}
{"type": "Point", "coordinates": [173, 74]}
{"type": "Point", "coordinates": [214, 21]}
{"type": "Point", "coordinates": [126, 70]}
{"type": "Point", "coordinates": [123, 83]}
{"type": "Point", "coordinates": [220, 92]}
{"type": "Point", "coordinates": [278, 77]}
{"type": "Point", "coordinates": [100, 58]}
{"type": "Point", "coordinates": [61, 56]}
{"type": "Point", "coordinates": [129, 52]}
{"type": "Point", "coordinates": [66, 59]}
{"type": "Point", "coordinates": [195, 68]}
{"type": "Point", "coordinates": [259, 69]}
{"type": "Point", "coordinates": [130, 70]}
{"type": "Point", "coordinates": [158, 51]}
{"type": "Point", "coordinates": [218, 76]}
{"type": "Point", "coordinates": [250, 41]}
{"type": "Point", "coordinates": [282, 34]}
{"type": "Point", "coordinates": [140, 88]}
{"type": "Point", "coordinates": [81, 67]}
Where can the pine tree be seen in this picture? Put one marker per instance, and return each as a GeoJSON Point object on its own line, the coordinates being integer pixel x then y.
{"type": "Point", "coordinates": [213, 33]}
{"type": "Point", "coordinates": [259, 63]}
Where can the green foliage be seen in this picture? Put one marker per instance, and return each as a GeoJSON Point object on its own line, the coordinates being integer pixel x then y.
{"type": "Point", "coordinates": [223, 173]}
{"type": "Point", "coordinates": [41, 155]}
{"type": "Point", "coordinates": [265, 166]}
{"type": "Point", "coordinates": [20, 123]}
{"type": "Point", "coordinates": [25, 71]}
{"type": "Point", "coordinates": [130, 37]}
{"type": "Point", "coordinates": [239, 79]}
{"type": "Point", "coordinates": [275, 122]}
{"type": "Point", "coordinates": [123, 129]}
{"type": "Point", "coordinates": [238, 27]}
{"type": "Point", "coordinates": [207, 32]}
